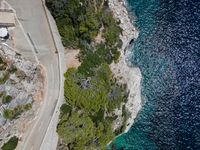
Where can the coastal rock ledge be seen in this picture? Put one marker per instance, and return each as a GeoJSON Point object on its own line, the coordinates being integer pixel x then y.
{"type": "Point", "coordinates": [131, 76]}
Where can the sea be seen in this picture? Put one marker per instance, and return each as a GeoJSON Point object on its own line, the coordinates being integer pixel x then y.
{"type": "Point", "coordinates": [167, 52]}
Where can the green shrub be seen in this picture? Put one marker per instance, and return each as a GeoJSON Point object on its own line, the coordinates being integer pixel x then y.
{"type": "Point", "coordinates": [5, 77]}
{"type": "Point", "coordinates": [80, 130]}
{"type": "Point", "coordinates": [6, 99]}
{"type": "Point", "coordinates": [14, 113]}
{"type": "Point", "coordinates": [1, 94]}
{"type": "Point", "coordinates": [65, 109]}
{"type": "Point", "coordinates": [8, 114]}
{"type": "Point", "coordinates": [11, 144]}
{"type": "Point", "coordinates": [2, 64]}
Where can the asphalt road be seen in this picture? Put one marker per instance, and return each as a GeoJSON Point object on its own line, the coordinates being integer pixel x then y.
{"type": "Point", "coordinates": [35, 24]}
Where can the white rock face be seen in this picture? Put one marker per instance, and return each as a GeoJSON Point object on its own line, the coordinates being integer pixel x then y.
{"type": "Point", "coordinates": [120, 13]}
{"type": "Point", "coordinates": [125, 73]}
{"type": "Point", "coordinates": [23, 86]}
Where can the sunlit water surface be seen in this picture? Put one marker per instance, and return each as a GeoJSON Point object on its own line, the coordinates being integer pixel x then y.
{"type": "Point", "coordinates": [168, 54]}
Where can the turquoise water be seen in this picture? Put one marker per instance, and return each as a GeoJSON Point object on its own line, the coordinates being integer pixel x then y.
{"type": "Point", "coordinates": [167, 52]}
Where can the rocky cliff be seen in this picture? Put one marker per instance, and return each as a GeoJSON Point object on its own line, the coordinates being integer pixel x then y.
{"type": "Point", "coordinates": [21, 92]}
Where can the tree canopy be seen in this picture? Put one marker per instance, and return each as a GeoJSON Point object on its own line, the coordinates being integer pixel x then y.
{"type": "Point", "coordinates": [91, 92]}
{"type": "Point", "coordinates": [11, 144]}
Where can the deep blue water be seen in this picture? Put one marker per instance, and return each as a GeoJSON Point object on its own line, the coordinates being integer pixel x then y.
{"type": "Point", "coordinates": [168, 54]}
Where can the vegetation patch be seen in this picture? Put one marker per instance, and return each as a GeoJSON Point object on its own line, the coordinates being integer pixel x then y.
{"type": "Point", "coordinates": [11, 144]}
{"type": "Point", "coordinates": [5, 71]}
{"type": "Point", "coordinates": [14, 113]}
{"type": "Point", "coordinates": [6, 99]}
{"type": "Point", "coordinates": [3, 65]}
{"type": "Point", "coordinates": [91, 92]}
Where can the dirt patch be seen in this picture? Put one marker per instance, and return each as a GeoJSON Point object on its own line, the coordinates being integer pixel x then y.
{"type": "Point", "coordinates": [71, 57]}
{"type": "Point", "coordinates": [39, 95]}
{"type": "Point", "coordinates": [99, 38]}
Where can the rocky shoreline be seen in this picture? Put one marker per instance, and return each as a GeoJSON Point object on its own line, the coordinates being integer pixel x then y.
{"type": "Point", "coordinates": [131, 76]}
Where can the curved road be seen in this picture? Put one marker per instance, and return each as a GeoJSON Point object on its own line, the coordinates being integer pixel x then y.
{"type": "Point", "coordinates": [32, 16]}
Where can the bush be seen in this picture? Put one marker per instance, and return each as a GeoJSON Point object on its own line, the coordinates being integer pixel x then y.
{"type": "Point", "coordinates": [66, 109]}
{"type": "Point", "coordinates": [8, 114]}
{"type": "Point", "coordinates": [91, 95]}
{"type": "Point", "coordinates": [14, 113]}
{"type": "Point", "coordinates": [6, 99]}
{"type": "Point", "coordinates": [11, 144]}
{"type": "Point", "coordinates": [2, 65]}
{"type": "Point", "coordinates": [5, 77]}
{"type": "Point", "coordinates": [93, 57]}
{"type": "Point", "coordinates": [80, 130]}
